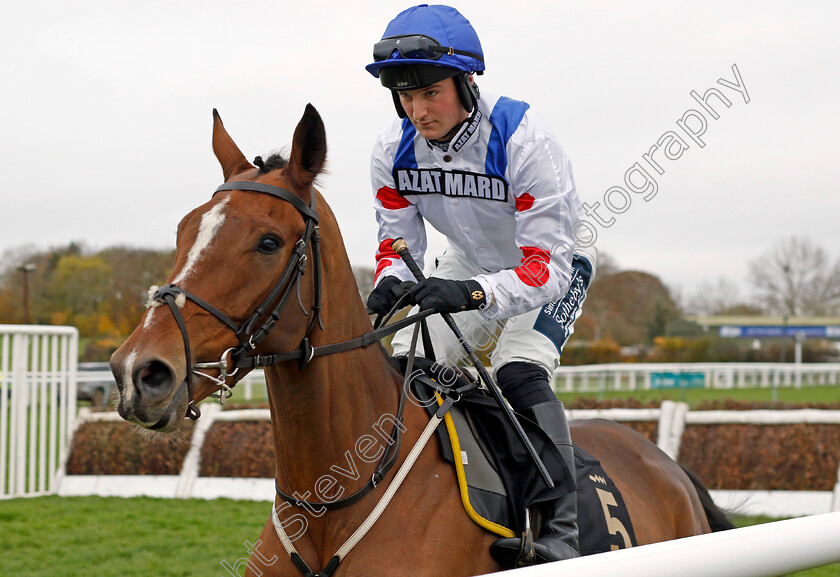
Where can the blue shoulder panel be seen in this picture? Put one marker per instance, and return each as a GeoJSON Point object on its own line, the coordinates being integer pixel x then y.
{"type": "Point", "coordinates": [405, 152]}
{"type": "Point", "coordinates": [505, 119]}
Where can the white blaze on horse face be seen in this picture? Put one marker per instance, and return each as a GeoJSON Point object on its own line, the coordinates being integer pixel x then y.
{"type": "Point", "coordinates": [151, 305]}
{"type": "Point", "coordinates": [210, 223]}
{"type": "Point", "coordinates": [128, 369]}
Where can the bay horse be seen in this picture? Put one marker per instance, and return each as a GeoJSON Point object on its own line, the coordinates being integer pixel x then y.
{"type": "Point", "coordinates": [268, 222]}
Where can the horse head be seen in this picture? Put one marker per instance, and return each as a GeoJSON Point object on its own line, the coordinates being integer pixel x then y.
{"type": "Point", "coordinates": [242, 260]}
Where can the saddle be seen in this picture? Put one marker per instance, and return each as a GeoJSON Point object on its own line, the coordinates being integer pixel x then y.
{"type": "Point", "coordinates": [496, 478]}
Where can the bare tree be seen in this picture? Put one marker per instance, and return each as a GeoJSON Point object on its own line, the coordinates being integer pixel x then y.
{"type": "Point", "coordinates": [796, 278]}
{"type": "Point", "coordinates": [714, 298]}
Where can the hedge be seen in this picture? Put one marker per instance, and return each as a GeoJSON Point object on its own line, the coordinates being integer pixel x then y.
{"type": "Point", "coordinates": [119, 448]}
{"type": "Point", "coordinates": [758, 457]}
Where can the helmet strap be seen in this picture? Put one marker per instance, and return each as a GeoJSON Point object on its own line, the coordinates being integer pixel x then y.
{"type": "Point", "coordinates": [397, 104]}
{"type": "Point", "coordinates": [467, 91]}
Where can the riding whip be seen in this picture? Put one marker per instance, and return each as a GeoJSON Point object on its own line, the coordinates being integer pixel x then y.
{"type": "Point", "coordinates": [401, 248]}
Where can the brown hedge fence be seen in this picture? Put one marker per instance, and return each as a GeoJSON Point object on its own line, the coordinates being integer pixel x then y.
{"type": "Point", "coordinates": [238, 449]}
{"type": "Point", "coordinates": [119, 448]}
{"type": "Point", "coordinates": [750, 457]}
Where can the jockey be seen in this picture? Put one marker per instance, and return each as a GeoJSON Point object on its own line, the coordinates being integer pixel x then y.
{"type": "Point", "coordinates": [488, 174]}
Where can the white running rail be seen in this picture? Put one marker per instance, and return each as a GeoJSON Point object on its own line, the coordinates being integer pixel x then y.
{"type": "Point", "coordinates": [37, 406]}
{"type": "Point", "coordinates": [766, 550]}
{"type": "Point", "coordinates": [646, 376]}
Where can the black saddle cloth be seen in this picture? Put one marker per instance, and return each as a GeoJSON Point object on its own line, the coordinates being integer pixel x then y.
{"type": "Point", "coordinates": [500, 444]}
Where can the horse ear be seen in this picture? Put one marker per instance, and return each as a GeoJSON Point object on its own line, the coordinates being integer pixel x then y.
{"type": "Point", "coordinates": [309, 149]}
{"type": "Point", "coordinates": [225, 149]}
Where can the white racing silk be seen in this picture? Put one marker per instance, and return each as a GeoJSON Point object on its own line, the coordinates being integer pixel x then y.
{"type": "Point", "coordinates": [501, 191]}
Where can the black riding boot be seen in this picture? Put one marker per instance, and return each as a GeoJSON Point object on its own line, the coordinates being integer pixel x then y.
{"type": "Point", "coordinates": [558, 538]}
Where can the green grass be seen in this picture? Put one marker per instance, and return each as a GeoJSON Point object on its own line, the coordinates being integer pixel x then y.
{"type": "Point", "coordinates": [694, 397]}
{"type": "Point", "coordinates": [49, 536]}
{"type": "Point", "coordinates": [110, 537]}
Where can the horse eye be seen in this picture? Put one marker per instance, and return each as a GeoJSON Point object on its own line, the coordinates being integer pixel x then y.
{"type": "Point", "coordinates": [268, 245]}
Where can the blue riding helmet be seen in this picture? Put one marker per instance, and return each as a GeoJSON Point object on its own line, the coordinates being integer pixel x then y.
{"type": "Point", "coordinates": [424, 45]}
{"type": "Point", "coordinates": [431, 35]}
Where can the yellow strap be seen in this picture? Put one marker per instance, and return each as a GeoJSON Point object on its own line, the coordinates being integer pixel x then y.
{"type": "Point", "coordinates": [462, 480]}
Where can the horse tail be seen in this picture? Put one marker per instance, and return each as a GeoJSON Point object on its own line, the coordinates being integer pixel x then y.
{"type": "Point", "coordinates": [718, 520]}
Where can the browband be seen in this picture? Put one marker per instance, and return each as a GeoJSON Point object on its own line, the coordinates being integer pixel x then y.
{"type": "Point", "coordinates": [289, 197]}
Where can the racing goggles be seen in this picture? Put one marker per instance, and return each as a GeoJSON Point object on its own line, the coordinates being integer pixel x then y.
{"type": "Point", "coordinates": [415, 47]}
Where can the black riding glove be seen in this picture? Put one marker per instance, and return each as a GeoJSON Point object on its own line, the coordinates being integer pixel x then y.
{"type": "Point", "coordinates": [386, 294]}
{"type": "Point", "coordinates": [448, 296]}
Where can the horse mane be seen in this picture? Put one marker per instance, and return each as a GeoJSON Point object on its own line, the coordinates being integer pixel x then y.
{"type": "Point", "coordinates": [274, 161]}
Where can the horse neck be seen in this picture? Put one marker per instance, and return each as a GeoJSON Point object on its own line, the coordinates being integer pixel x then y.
{"type": "Point", "coordinates": [319, 413]}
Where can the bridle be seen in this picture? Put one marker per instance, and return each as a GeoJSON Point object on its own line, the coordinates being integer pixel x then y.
{"type": "Point", "coordinates": [250, 333]}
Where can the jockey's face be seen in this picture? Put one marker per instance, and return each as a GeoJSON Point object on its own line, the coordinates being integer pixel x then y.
{"type": "Point", "coordinates": [434, 110]}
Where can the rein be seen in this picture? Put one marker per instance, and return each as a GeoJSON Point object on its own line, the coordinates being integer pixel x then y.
{"type": "Point", "coordinates": [449, 397]}
{"type": "Point", "coordinates": [250, 334]}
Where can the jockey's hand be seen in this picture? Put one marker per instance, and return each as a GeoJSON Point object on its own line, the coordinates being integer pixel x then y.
{"type": "Point", "coordinates": [448, 296]}
{"type": "Point", "coordinates": [386, 294]}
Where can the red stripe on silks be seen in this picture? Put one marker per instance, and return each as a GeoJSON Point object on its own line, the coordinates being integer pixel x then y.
{"type": "Point", "coordinates": [385, 250]}
{"type": "Point", "coordinates": [524, 202]}
{"type": "Point", "coordinates": [534, 268]}
{"type": "Point", "coordinates": [384, 257]}
{"type": "Point", "coordinates": [380, 266]}
{"type": "Point", "coordinates": [390, 199]}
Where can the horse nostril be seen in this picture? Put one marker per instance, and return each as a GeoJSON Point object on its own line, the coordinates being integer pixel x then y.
{"type": "Point", "coordinates": [154, 376]}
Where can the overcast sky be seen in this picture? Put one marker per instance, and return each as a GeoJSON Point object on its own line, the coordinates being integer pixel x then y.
{"type": "Point", "coordinates": [105, 115]}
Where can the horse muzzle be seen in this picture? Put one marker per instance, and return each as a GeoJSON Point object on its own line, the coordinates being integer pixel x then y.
{"type": "Point", "coordinates": [152, 395]}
